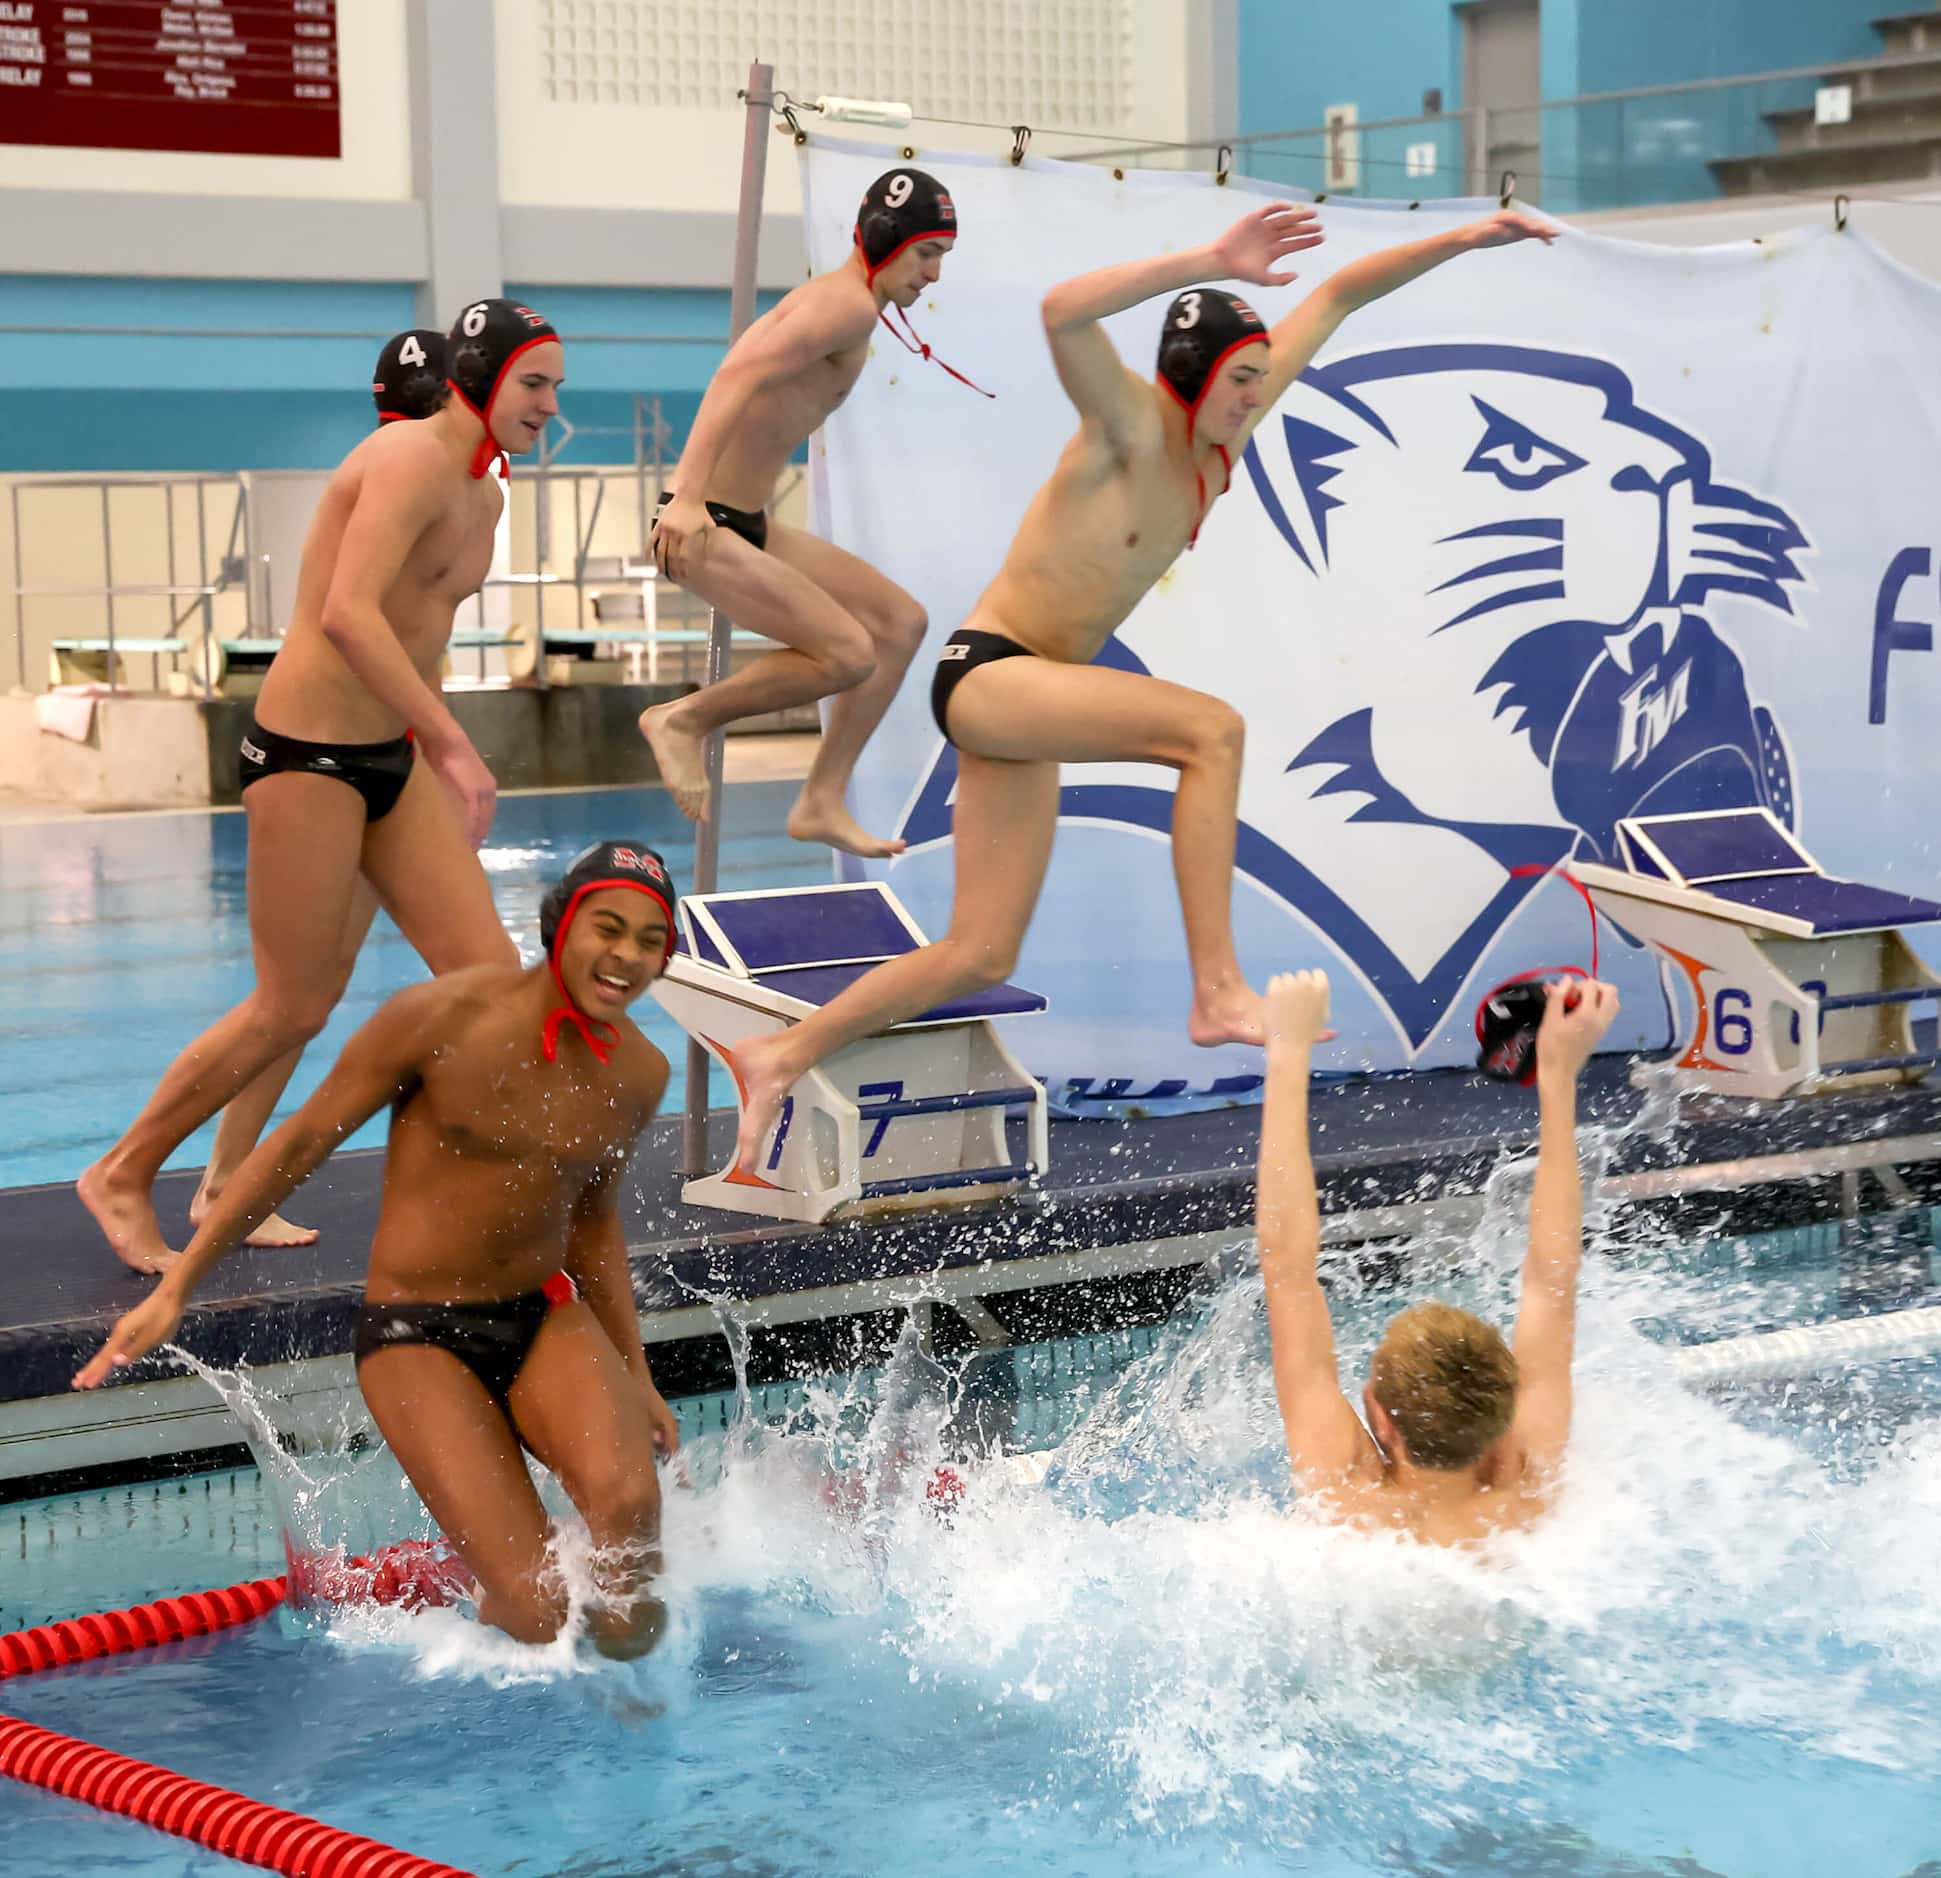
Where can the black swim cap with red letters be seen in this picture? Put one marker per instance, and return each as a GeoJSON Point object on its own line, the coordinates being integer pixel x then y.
{"type": "Point", "coordinates": [1203, 327]}
{"type": "Point", "coordinates": [483, 347]}
{"type": "Point", "coordinates": [409, 381]}
{"type": "Point", "coordinates": [902, 206]}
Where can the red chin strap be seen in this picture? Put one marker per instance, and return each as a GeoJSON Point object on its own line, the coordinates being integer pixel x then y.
{"type": "Point", "coordinates": [566, 1011]}
{"type": "Point", "coordinates": [914, 342]}
{"type": "Point", "coordinates": [1590, 906]}
{"type": "Point", "coordinates": [491, 453]}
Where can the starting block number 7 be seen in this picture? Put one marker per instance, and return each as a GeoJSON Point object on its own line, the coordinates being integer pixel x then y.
{"type": "Point", "coordinates": [885, 1092]}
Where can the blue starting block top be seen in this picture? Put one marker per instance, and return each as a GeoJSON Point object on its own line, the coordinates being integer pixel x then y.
{"type": "Point", "coordinates": [813, 943]}
{"type": "Point", "coordinates": [1745, 858]}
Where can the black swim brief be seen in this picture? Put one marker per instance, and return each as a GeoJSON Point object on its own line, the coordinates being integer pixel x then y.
{"type": "Point", "coordinates": [377, 771]}
{"type": "Point", "coordinates": [965, 652]}
{"type": "Point", "coordinates": [750, 524]}
{"type": "Point", "coordinates": [491, 1340]}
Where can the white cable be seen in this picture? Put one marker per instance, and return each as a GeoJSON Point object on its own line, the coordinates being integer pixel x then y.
{"type": "Point", "coordinates": [1817, 1347]}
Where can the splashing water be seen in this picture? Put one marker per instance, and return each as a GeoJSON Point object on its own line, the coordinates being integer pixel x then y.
{"type": "Point", "coordinates": [1159, 1647]}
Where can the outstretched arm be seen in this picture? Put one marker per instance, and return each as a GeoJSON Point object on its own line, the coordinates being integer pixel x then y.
{"type": "Point", "coordinates": [379, 1061]}
{"type": "Point", "coordinates": [781, 345]}
{"type": "Point", "coordinates": [1106, 393]}
{"type": "Point", "coordinates": [1546, 1319]}
{"type": "Point", "coordinates": [1325, 1439]}
{"type": "Point", "coordinates": [1298, 337]}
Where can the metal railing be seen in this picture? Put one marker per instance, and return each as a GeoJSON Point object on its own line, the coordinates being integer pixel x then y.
{"type": "Point", "coordinates": [230, 575]}
{"type": "Point", "coordinates": [587, 564]}
{"type": "Point", "coordinates": [1640, 147]}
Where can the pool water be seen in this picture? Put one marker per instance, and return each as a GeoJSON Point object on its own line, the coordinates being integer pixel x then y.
{"type": "Point", "coordinates": [121, 938]}
{"type": "Point", "coordinates": [1721, 1654]}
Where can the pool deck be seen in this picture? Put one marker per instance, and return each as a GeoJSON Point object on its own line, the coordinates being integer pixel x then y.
{"type": "Point", "coordinates": [1395, 1155]}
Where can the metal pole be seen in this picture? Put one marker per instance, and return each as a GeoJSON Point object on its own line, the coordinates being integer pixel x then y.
{"type": "Point", "coordinates": [108, 579]}
{"type": "Point", "coordinates": [19, 581]}
{"type": "Point", "coordinates": [640, 478]}
{"type": "Point", "coordinates": [741, 310]}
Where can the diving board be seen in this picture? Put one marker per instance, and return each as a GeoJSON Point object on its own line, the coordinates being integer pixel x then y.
{"type": "Point", "coordinates": [1792, 981]}
{"type": "Point", "coordinates": [916, 1111]}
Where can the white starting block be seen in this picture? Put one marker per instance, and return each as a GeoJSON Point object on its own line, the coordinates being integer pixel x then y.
{"type": "Point", "coordinates": [916, 1110]}
{"type": "Point", "coordinates": [1796, 982]}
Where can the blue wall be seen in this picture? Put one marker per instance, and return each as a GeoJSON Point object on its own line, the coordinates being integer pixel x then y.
{"type": "Point", "coordinates": [1295, 60]}
{"type": "Point", "coordinates": [176, 399]}
{"type": "Point", "coordinates": [1379, 55]}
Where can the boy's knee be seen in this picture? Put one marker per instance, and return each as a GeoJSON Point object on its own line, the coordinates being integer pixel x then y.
{"type": "Point", "coordinates": [292, 1018]}
{"type": "Point", "coordinates": [899, 639]}
{"type": "Point", "coordinates": [850, 661]}
{"type": "Point", "coordinates": [623, 1502]}
{"type": "Point", "coordinates": [978, 965]}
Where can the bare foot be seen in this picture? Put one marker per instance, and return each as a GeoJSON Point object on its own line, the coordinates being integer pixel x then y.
{"type": "Point", "coordinates": [763, 1082]}
{"type": "Point", "coordinates": [834, 825]}
{"type": "Point", "coordinates": [1235, 1014]}
{"type": "Point", "coordinates": [126, 1216]}
{"type": "Point", "coordinates": [276, 1231]}
{"type": "Point", "coordinates": [682, 757]}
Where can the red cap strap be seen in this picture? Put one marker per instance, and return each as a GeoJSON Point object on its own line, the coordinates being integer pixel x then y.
{"type": "Point", "coordinates": [916, 345]}
{"type": "Point", "coordinates": [1558, 868]}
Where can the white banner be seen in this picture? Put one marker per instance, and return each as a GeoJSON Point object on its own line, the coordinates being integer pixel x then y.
{"type": "Point", "coordinates": [1548, 537]}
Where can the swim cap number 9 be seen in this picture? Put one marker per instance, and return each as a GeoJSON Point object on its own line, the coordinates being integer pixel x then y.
{"type": "Point", "coordinates": [901, 189]}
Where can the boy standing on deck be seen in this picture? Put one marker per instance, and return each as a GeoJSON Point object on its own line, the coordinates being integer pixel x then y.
{"type": "Point", "coordinates": [1464, 1437]}
{"type": "Point", "coordinates": [499, 1309]}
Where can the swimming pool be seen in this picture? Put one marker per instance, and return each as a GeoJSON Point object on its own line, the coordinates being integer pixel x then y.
{"type": "Point", "coordinates": [121, 938]}
{"type": "Point", "coordinates": [1721, 1656]}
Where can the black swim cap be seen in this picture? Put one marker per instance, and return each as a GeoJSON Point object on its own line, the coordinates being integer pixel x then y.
{"type": "Point", "coordinates": [1203, 326]}
{"type": "Point", "coordinates": [902, 206]}
{"type": "Point", "coordinates": [1507, 1022]}
{"type": "Point", "coordinates": [489, 336]}
{"type": "Point", "coordinates": [410, 377]}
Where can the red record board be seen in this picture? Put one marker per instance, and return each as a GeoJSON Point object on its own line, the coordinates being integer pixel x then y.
{"type": "Point", "coordinates": [238, 77]}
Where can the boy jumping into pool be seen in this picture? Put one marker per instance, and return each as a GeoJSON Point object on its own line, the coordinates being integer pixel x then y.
{"type": "Point", "coordinates": [1017, 692]}
{"type": "Point", "coordinates": [1464, 1436]}
{"type": "Point", "coordinates": [847, 633]}
{"type": "Point", "coordinates": [516, 1098]}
